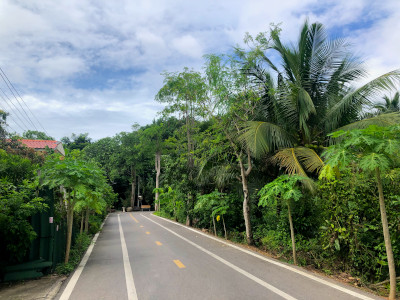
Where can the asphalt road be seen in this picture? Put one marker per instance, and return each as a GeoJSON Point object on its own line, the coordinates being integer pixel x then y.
{"type": "Point", "coordinates": [141, 256]}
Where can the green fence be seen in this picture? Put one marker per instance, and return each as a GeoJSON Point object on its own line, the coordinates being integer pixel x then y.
{"type": "Point", "coordinates": [48, 249]}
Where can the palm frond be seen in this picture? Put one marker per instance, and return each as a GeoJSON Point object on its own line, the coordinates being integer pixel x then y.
{"type": "Point", "coordinates": [396, 101]}
{"type": "Point", "coordinates": [262, 137]}
{"type": "Point", "coordinates": [305, 109]}
{"type": "Point", "coordinates": [224, 174]}
{"type": "Point", "coordinates": [288, 160]}
{"type": "Point", "coordinates": [311, 161]}
{"type": "Point", "coordinates": [299, 160]}
{"type": "Point", "coordinates": [355, 99]}
{"type": "Point", "coordinates": [380, 120]}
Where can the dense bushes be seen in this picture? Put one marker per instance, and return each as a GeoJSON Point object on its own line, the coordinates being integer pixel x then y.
{"type": "Point", "coordinates": [351, 232]}
{"type": "Point", "coordinates": [18, 202]}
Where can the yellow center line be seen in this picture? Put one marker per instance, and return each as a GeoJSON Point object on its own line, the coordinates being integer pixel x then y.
{"type": "Point", "coordinates": [134, 219]}
{"type": "Point", "coordinates": [158, 243]}
{"type": "Point", "coordinates": [179, 264]}
{"type": "Point", "coordinates": [147, 232]}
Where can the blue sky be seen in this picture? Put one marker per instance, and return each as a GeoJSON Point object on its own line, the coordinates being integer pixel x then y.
{"type": "Point", "coordinates": [94, 66]}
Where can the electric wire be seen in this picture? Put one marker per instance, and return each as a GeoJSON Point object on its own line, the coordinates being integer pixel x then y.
{"type": "Point", "coordinates": [5, 97]}
{"type": "Point", "coordinates": [6, 124]}
{"type": "Point", "coordinates": [9, 87]}
{"type": "Point", "coordinates": [37, 120]}
{"type": "Point", "coordinates": [11, 129]}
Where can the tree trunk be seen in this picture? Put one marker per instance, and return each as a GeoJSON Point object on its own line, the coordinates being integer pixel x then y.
{"type": "Point", "coordinates": [81, 222]}
{"type": "Point", "coordinates": [133, 183]}
{"type": "Point", "coordinates": [292, 233]}
{"type": "Point", "coordinates": [246, 200]}
{"type": "Point", "coordinates": [138, 191]}
{"type": "Point", "coordinates": [215, 228]}
{"type": "Point", "coordinates": [70, 220]}
{"type": "Point", "coordinates": [158, 171]}
{"type": "Point", "coordinates": [188, 204]}
{"type": "Point", "coordinates": [175, 218]}
{"type": "Point", "coordinates": [223, 222]}
{"type": "Point", "coordinates": [87, 221]}
{"type": "Point", "coordinates": [386, 235]}
{"type": "Point", "coordinates": [190, 148]}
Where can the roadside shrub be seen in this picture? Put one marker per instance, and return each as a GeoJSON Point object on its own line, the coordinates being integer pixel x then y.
{"type": "Point", "coordinates": [82, 242]}
{"type": "Point", "coordinates": [17, 204]}
{"type": "Point", "coordinates": [94, 224]}
{"type": "Point", "coordinates": [351, 232]}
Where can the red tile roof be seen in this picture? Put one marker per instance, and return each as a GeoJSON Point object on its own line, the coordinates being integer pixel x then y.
{"type": "Point", "coordinates": [39, 144]}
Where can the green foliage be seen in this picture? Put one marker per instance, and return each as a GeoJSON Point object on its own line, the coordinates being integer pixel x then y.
{"type": "Point", "coordinates": [95, 222]}
{"type": "Point", "coordinates": [375, 150]}
{"type": "Point", "coordinates": [82, 242]}
{"type": "Point", "coordinates": [76, 141]}
{"type": "Point", "coordinates": [171, 203]}
{"type": "Point", "coordinates": [163, 214]}
{"type": "Point", "coordinates": [73, 173]}
{"type": "Point", "coordinates": [105, 152]}
{"type": "Point", "coordinates": [312, 97]}
{"type": "Point", "coordinates": [211, 205]}
{"type": "Point", "coordinates": [351, 231]}
{"type": "Point", "coordinates": [15, 168]}
{"type": "Point", "coordinates": [18, 201]}
{"type": "Point", "coordinates": [83, 181]}
{"type": "Point", "coordinates": [284, 187]}
{"type": "Point", "coordinates": [372, 148]}
{"type": "Point", "coordinates": [36, 135]}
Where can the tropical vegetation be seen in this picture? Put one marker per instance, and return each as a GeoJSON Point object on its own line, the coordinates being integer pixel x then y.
{"type": "Point", "coordinates": [276, 145]}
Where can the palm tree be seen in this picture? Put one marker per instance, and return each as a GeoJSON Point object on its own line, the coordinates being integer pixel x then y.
{"type": "Point", "coordinates": [390, 105]}
{"type": "Point", "coordinates": [312, 96]}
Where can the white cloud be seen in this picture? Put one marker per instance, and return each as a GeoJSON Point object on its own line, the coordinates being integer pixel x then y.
{"type": "Point", "coordinates": [60, 66]}
{"type": "Point", "coordinates": [188, 45]}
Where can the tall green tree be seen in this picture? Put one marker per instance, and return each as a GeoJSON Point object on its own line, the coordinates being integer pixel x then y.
{"type": "Point", "coordinates": [129, 159]}
{"type": "Point", "coordinates": [375, 150]}
{"type": "Point", "coordinates": [152, 141]}
{"type": "Point", "coordinates": [105, 152]}
{"type": "Point", "coordinates": [230, 103]}
{"type": "Point", "coordinates": [183, 92]}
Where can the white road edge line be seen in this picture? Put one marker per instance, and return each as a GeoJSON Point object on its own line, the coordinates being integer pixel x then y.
{"type": "Point", "coordinates": [236, 268]}
{"type": "Point", "coordinates": [130, 284]}
{"type": "Point", "coordinates": [320, 280]}
{"type": "Point", "coordinates": [74, 279]}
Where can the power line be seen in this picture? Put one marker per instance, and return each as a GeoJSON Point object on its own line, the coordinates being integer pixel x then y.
{"type": "Point", "coordinates": [23, 101]}
{"type": "Point", "coordinates": [10, 128]}
{"type": "Point", "coordinates": [13, 120]}
{"type": "Point", "coordinates": [9, 87]}
{"type": "Point", "coordinates": [10, 118]}
{"type": "Point", "coordinates": [5, 100]}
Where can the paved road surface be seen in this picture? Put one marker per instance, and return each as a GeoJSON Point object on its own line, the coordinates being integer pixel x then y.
{"type": "Point", "coordinates": [141, 256]}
